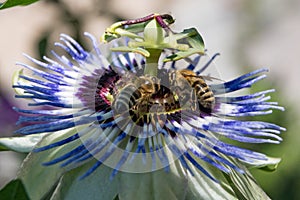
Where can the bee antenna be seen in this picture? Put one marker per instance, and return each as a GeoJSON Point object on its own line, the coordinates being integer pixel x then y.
{"type": "Point", "coordinates": [207, 64]}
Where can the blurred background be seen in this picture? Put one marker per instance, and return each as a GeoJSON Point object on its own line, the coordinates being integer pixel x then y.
{"type": "Point", "coordinates": [248, 34]}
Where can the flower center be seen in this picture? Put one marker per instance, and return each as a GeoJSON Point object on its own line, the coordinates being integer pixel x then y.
{"type": "Point", "coordinates": [154, 99]}
{"type": "Point", "coordinates": [145, 100]}
{"type": "Point", "coordinates": [140, 102]}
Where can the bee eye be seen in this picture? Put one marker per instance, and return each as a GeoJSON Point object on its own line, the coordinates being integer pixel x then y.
{"type": "Point", "coordinates": [153, 79]}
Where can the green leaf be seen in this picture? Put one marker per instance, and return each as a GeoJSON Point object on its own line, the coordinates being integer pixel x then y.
{"type": "Point", "coordinates": [14, 190]}
{"type": "Point", "coordinates": [12, 3]}
{"type": "Point", "coordinates": [20, 144]}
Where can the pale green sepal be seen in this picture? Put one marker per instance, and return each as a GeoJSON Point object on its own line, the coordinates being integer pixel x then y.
{"type": "Point", "coordinates": [16, 80]}
{"type": "Point", "coordinates": [96, 186]}
{"type": "Point", "coordinates": [38, 179]}
{"type": "Point", "coordinates": [23, 144]}
{"type": "Point", "coordinates": [270, 164]}
{"type": "Point", "coordinates": [155, 185]}
{"type": "Point", "coordinates": [244, 185]}
{"type": "Point", "coordinates": [175, 184]}
{"type": "Point", "coordinates": [201, 187]}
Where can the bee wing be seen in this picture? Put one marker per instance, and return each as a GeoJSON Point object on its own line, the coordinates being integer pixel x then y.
{"type": "Point", "coordinates": [211, 79]}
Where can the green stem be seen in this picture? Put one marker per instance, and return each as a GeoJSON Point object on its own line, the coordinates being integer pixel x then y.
{"type": "Point", "coordinates": [151, 66]}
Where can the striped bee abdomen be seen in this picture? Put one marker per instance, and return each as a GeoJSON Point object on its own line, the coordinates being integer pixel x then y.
{"type": "Point", "coordinates": [187, 80]}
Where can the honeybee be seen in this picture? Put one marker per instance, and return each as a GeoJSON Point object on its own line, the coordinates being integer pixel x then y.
{"type": "Point", "coordinates": [144, 96]}
{"type": "Point", "coordinates": [133, 89]}
{"type": "Point", "coordinates": [189, 86]}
